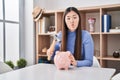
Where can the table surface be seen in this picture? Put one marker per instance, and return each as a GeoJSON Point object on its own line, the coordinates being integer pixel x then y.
{"type": "Point", "coordinates": [49, 72]}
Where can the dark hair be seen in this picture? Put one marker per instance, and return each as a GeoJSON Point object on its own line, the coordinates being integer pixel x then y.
{"type": "Point", "coordinates": [78, 41]}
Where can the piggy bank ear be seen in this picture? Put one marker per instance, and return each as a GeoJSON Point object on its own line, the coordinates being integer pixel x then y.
{"type": "Point", "coordinates": [56, 52]}
{"type": "Point", "coordinates": [68, 52]}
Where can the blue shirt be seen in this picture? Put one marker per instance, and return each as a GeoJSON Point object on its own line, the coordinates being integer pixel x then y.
{"type": "Point", "coordinates": [87, 47]}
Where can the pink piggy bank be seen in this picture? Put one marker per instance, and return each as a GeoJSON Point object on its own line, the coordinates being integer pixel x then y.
{"type": "Point", "coordinates": [62, 60]}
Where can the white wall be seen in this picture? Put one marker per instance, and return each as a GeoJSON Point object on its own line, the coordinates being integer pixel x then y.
{"type": "Point", "coordinates": [29, 32]}
{"type": "Point", "coordinates": [51, 5]}
{"type": "Point", "coordinates": [61, 4]}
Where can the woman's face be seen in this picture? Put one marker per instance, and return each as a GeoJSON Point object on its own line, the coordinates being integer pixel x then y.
{"type": "Point", "coordinates": [72, 20]}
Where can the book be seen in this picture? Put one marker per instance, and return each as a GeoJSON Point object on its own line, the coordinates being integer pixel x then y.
{"type": "Point", "coordinates": [43, 25]}
{"type": "Point", "coordinates": [39, 27]}
{"type": "Point", "coordinates": [106, 22]}
{"type": "Point", "coordinates": [114, 30]}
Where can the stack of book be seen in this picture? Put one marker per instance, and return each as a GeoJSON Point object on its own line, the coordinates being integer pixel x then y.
{"type": "Point", "coordinates": [106, 22]}
{"type": "Point", "coordinates": [43, 25]}
{"type": "Point", "coordinates": [115, 30]}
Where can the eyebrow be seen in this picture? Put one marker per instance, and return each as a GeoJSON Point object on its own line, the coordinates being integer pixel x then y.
{"type": "Point", "coordinates": [72, 15]}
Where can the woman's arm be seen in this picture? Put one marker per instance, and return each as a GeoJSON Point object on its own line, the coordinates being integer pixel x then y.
{"type": "Point", "coordinates": [88, 51]}
{"type": "Point", "coordinates": [51, 50]}
{"type": "Point", "coordinates": [54, 46]}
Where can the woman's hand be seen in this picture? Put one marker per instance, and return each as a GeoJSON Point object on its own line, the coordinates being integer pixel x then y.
{"type": "Point", "coordinates": [49, 54]}
{"type": "Point", "coordinates": [51, 49]}
{"type": "Point", "coordinates": [73, 61]}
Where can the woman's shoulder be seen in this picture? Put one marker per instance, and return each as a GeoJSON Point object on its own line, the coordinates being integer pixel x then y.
{"type": "Point", "coordinates": [85, 32]}
{"type": "Point", "coordinates": [85, 35]}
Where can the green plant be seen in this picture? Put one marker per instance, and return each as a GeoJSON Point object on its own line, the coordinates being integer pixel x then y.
{"type": "Point", "coordinates": [21, 63]}
{"type": "Point", "coordinates": [10, 63]}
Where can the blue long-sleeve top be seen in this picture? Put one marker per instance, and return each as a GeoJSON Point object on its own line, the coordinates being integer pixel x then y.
{"type": "Point", "coordinates": [87, 47]}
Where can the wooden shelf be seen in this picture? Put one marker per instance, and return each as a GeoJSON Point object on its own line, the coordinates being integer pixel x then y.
{"type": "Point", "coordinates": [110, 58]}
{"type": "Point", "coordinates": [111, 33]}
{"type": "Point", "coordinates": [95, 33]}
{"type": "Point", "coordinates": [105, 43]}
{"type": "Point", "coordinates": [42, 55]}
{"type": "Point", "coordinates": [49, 33]}
{"type": "Point", "coordinates": [98, 57]}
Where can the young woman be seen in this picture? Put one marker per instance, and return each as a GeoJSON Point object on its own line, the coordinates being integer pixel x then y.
{"type": "Point", "coordinates": [78, 42]}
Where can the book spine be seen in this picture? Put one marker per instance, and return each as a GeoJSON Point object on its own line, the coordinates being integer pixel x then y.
{"type": "Point", "coordinates": [45, 23]}
{"type": "Point", "coordinates": [39, 27]}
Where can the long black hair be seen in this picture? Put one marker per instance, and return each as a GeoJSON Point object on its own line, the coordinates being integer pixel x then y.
{"type": "Point", "coordinates": [78, 41]}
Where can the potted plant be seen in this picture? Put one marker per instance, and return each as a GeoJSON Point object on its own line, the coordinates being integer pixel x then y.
{"type": "Point", "coordinates": [10, 63]}
{"type": "Point", "coordinates": [21, 63]}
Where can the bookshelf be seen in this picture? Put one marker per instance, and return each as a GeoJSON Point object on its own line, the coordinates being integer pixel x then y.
{"type": "Point", "coordinates": [105, 42]}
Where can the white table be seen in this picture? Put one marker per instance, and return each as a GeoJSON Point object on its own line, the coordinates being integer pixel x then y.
{"type": "Point", "coordinates": [50, 72]}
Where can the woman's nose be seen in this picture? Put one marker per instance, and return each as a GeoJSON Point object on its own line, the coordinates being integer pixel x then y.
{"type": "Point", "coordinates": [71, 20]}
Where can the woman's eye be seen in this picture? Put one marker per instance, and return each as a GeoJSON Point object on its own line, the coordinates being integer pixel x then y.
{"type": "Point", "coordinates": [74, 17]}
{"type": "Point", "coordinates": [68, 18]}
